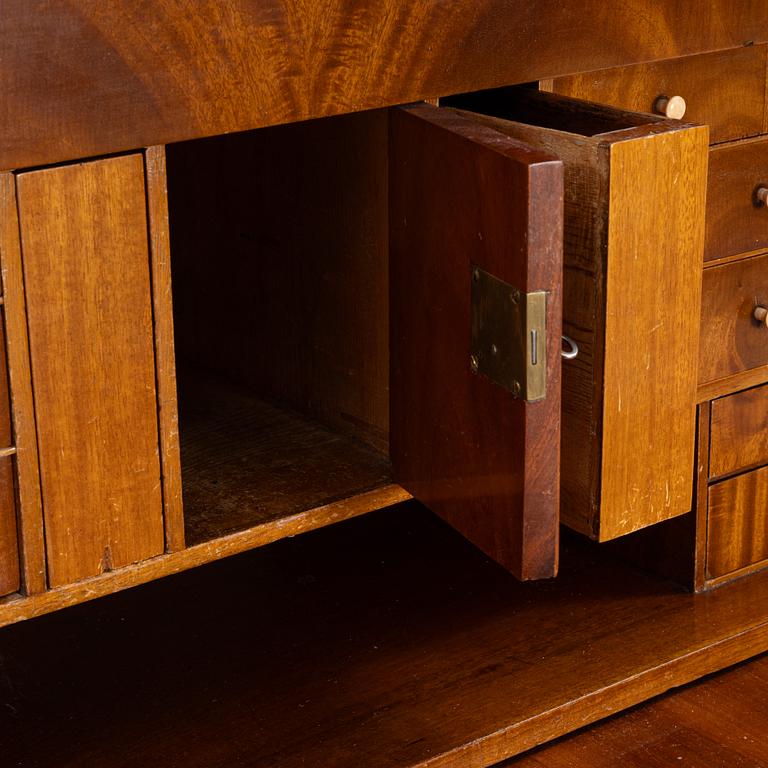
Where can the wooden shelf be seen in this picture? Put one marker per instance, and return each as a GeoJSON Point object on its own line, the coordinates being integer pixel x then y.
{"type": "Point", "coordinates": [248, 462]}
{"type": "Point", "coordinates": [384, 642]}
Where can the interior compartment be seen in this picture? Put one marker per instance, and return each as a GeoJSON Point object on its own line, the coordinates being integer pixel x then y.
{"type": "Point", "coordinates": [280, 294]}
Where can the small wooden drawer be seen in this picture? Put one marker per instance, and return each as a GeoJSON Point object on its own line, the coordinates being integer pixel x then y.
{"type": "Point", "coordinates": [731, 339]}
{"type": "Point", "coordinates": [739, 432]}
{"type": "Point", "coordinates": [737, 523]}
{"type": "Point", "coordinates": [737, 217]}
{"type": "Point", "coordinates": [725, 90]}
{"type": "Point", "coordinates": [628, 416]}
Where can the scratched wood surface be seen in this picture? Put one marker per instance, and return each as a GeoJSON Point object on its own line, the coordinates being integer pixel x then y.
{"type": "Point", "coordinates": [94, 76]}
{"type": "Point", "coordinates": [87, 279]}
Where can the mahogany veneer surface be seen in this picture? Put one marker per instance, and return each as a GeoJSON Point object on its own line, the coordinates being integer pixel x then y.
{"type": "Point", "coordinates": [88, 77]}
{"type": "Point", "coordinates": [384, 642]}
{"type": "Point", "coordinates": [718, 722]}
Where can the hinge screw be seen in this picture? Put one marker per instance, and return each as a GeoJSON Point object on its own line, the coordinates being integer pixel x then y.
{"type": "Point", "coordinates": [473, 363]}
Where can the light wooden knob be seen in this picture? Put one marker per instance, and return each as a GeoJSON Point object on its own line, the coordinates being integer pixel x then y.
{"type": "Point", "coordinates": [672, 107]}
{"type": "Point", "coordinates": [761, 196]}
{"type": "Point", "coordinates": [761, 315]}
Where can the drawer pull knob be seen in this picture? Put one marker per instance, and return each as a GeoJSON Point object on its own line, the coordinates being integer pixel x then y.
{"type": "Point", "coordinates": [672, 107]}
{"type": "Point", "coordinates": [761, 196]}
{"type": "Point", "coordinates": [761, 315]}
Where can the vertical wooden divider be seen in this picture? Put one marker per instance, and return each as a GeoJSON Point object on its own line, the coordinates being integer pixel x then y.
{"type": "Point", "coordinates": [165, 363]}
{"type": "Point", "coordinates": [86, 265]}
{"type": "Point", "coordinates": [30, 512]}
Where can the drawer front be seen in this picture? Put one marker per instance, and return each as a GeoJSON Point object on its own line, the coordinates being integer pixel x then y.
{"type": "Point", "coordinates": [737, 220]}
{"type": "Point", "coordinates": [737, 523]}
{"type": "Point", "coordinates": [739, 432]}
{"type": "Point", "coordinates": [622, 431]}
{"type": "Point", "coordinates": [725, 90]}
{"type": "Point", "coordinates": [87, 280]}
{"type": "Point", "coordinates": [9, 552]}
{"type": "Point", "coordinates": [731, 339]}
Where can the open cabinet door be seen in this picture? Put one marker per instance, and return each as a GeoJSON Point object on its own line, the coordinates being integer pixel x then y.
{"type": "Point", "coordinates": [476, 268]}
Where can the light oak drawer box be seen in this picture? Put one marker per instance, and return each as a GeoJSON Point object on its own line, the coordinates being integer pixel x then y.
{"type": "Point", "coordinates": [731, 339]}
{"type": "Point", "coordinates": [725, 90]}
{"type": "Point", "coordinates": [737, 217]}
{"type": "Point", "coordinates": [739, 432]}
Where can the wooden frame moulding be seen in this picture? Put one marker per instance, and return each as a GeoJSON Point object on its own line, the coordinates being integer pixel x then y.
{"type": "Point", "coordinates": [30, 512]}
{"type": "Point", "coordinates": [165, 364]}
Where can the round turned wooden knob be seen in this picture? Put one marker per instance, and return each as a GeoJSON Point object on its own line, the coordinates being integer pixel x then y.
{"type": "Point", "coordinates": [761, 315]}
{"type": "Point", "coordinates": [761, 196]}
{"type": "Point", "coordinates": [672, 107]}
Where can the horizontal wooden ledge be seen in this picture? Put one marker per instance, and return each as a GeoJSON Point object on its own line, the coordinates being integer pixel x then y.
{"type": "Point", "coordinates": [733, 257]}
{"type": "Point", "coordinates": [730, 384]}
{"type": "Point", "coordinates": [384, 642]}
{"type": "Point", "coordinates": [19, 607]}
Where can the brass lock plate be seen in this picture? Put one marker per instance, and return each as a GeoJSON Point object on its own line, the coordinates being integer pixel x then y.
{"type": "Point", "coordinates": [509, 335]}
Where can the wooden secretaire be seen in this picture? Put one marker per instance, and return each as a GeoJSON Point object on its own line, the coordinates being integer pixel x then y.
{"type": "Point", "coordinates": [495, 273]}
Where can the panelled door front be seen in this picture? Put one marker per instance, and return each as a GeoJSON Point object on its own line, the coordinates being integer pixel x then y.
{"type": "Point", "coordinates": [476, 268]}
{"type": "Point", "coordinates": [86, 264]}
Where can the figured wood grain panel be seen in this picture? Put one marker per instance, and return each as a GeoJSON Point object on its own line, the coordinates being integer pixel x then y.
{"type": "Point", "coordinates": [463, 195]}
{"type": "Point", "coordinates": [737, 530]}
{"type": "Point", "coordinates": [87, 281]}
{"type": "Point", "coordinates": [739, 431]}
{"type": "Point", "coordinates": [162, 305]}
{"type": "Point", "coordinates": [112, 75]}
{"type": "Point", "coordinates": [30, 513]}
{"type": "Point", "coordinates": [633, 203]}
{"type": "Point", "coordinates": [731, 339]}
{"type": "Point", "coordinates": [653, 295]}
{"type": "Point", "coordinates": [735, 222]}
{"type": "Point", "coordinates": [725, 90]}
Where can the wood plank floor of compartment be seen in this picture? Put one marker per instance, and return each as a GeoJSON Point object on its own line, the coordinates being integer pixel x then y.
{"type": "Point", "coordinates": [248, 462]}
